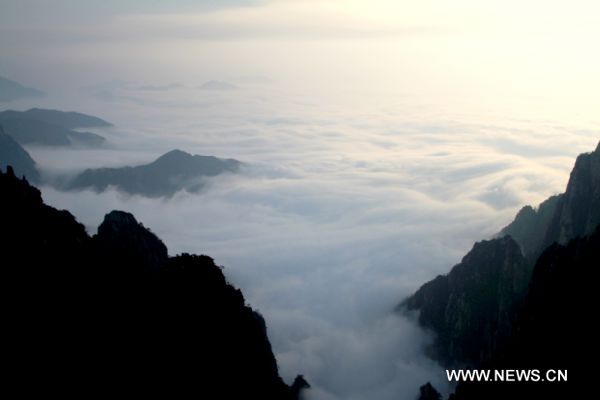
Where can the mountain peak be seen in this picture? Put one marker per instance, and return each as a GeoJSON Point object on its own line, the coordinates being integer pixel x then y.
{"type": "Point", "coordinates": [118, 219]}
{"type": "Point", "coordinates": [175, 154]}
{"type": "Point", "coordinates": [169, 173]}
{"type": "Point", "coordinates": [123, 233]}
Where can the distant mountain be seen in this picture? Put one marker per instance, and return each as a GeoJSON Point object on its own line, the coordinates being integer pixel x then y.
{"type": "Point", "coordinates": [217, 85]}
{"type": "Point", "coordinates": [69, 120]}
{"type": "Point", "coordinates": [113, 313]}
{"type": "Point", "coordinates": [472, 310]}
{"type": "Point", "coordinates": [32, 131]}
{"type": "Point", "coordinates": [11, 90]}
{"type": "Point", "coordinates": [171, 172]}
{"type": "Point", "coordinates": [11, 153]}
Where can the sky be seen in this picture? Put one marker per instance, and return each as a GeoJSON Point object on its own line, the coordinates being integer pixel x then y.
{"type": "Point", "coordinates": [381, 139]}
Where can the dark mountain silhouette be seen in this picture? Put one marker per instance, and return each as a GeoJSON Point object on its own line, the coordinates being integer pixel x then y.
{"type": "Point", "coordinates": [553, 330]}
{"type": "Point", "coordinates": [11, 153]}
{"type": "Point", "coordinates": [113, 313]}
{"type": "Point", "coordinates": [471, 308]}
{"type": "Point", "coordinates": [428, 392]}
{"type": "Point", "coordinates": [11, 90]}
{"type": "Point", "coordinates": [69, 120]}
{"type": "Point", "coordinates": [31, 131]}
{"type": "Point", "coordinates": [171, 172]}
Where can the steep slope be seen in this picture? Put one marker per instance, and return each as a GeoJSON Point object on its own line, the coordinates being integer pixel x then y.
{"type": "Point", "coordinates": [11, 153]}
{"type": "Point", "coordinates": [112, 313]}
{"type": "Point", "coordinates": [65, 119]}
{"type": "Point", "coordinates": [553, 329]}
{"type": "Point", "coordinates": [173, 171]}
{"type": "Point", "coordinates": [11, 90]}
{"type": "Point", "coordinates": [563, 217]}
{"type": "Point", "coordinates": [471, 307]}
{"type": "Point", "coordinates": [531, 226]}
{"type": "Point", "coordinates": [579, 212]}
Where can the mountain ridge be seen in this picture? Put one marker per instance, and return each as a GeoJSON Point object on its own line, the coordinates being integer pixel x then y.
{"type": "Point", "coordinates": [173, 171]}
{"type": "Point", "coordinates": [52, 128]}
{"type": "Point", "coordinates": [113, 312]}
{"type": "Point", "coordinates": [461, 338]}
{"type": "Point", "coordinates": [11, 153]}
{"type": "Point", "coordinates": [12, 90]}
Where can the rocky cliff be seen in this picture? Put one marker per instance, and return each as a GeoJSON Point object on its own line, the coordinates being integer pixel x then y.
{"type": "Point", "coordinates": [552, 330]}
{"type": "Point", "coordinates": [471, 307]}
{"type": "Point", "coordinates": [472, 310]}
{"type": "Point", "coordinates": [95, 316]}
{"type": "Point", "coordinates": [563, 217]}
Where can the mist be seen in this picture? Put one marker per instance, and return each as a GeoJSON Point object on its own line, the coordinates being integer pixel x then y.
{"type": "Point", "coordinates": [379, 141]}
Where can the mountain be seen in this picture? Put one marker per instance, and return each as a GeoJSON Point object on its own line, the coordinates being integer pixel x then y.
{"type": "Point", "coordinates": [171, 172]}
{"type": "Point", "coordinates": [51, 127]}
{"type": "Point", "coordinates": [530, 226]}
{"type": "Point", "coordinates": [554, 327]}
{"type": "Point", "coordinates": [11, 90]}
{"type": "Point", "coordinates": [11, 153]}
{"type": "Point", "coordinates": [428, 392]}
{"type": "Point", "coordinates": [68, 120]}
{"type": "Point", "coordinates": [217, 85]}
{"type": "Point", "coordinates": [472, 310]}
{"type": "Point", "coordinates": [471, 307]}
{"type": "Point", "coordinates": [32, 131]}
{"type": "Point", "coordinates": [114, 313]}
{"type": "Point", "coordinates": [562, 217]}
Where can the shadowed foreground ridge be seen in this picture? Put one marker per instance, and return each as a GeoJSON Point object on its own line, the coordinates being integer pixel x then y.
{"type": "Point", "coordinates": [114, 313]}
{"type": "Point", "coordinates": [553, 329]}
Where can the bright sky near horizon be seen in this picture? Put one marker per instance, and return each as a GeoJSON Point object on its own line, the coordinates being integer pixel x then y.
{"type": "Point", "coordinates": [538, 56]}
